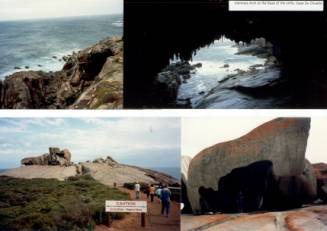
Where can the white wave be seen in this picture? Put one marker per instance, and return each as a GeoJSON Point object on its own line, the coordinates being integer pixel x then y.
{"type": "Point", "coordinates": [118, 23]}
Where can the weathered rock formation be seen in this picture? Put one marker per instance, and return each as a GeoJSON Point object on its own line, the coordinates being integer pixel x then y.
{"type": "Point", "coordinates": [184, 169]}
{"type": "Point", "coordinates": [109, 171]}
{"type": "Point", "coordinates": [245, 169]}
{"type": "Point", "coordinates": [304, 219]}
{"type": "Point", "coordinates": [109, 161]}
{"type": "Point", "coordinates": [57, 164]}
{"type": "Point", "coordinates": [90, 79]}
{"type": "Point", "coordinates": [181, 28]}
{"type": "Point", "coordinates": [54, 157]}
{"type": "Point", "coordinates": [321, 174]}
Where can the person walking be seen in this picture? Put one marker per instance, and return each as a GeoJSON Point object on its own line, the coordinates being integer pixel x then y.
{"type": "Point", "coordinates": [147, 191]}
{"type": "Point", "coordinates": [165, 195]}
{"type": "Point", "coordinates": [137, 188]}
{"type": "Point", "coordinates": [158, 192]}
{"type": "Point", "coordinates": [152, 192]}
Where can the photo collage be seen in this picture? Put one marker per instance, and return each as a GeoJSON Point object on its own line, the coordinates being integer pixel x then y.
{"type": "Point", "coordinates": [173, 115]}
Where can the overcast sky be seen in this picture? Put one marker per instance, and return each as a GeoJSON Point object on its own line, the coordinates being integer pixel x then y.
{"type": "Point", "coordinates": [29, 9]}
{"type": "Point", "coordinates": [148, 142]}
{"type": "Point", "coordinates": [200, 133]}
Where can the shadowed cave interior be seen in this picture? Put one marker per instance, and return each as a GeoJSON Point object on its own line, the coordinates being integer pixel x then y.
{"type": "Point", "coordinates": [155, 32]}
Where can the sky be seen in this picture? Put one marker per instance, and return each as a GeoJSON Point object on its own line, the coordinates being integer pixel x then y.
{"type": "Point", "coordinates": [146, 142]}
{"type": "Point", "coordinates": [31, 9]}
{"type": "Point", "coordinates": [200, 133]}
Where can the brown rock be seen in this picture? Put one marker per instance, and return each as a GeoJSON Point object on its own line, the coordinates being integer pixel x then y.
{"type": "Point", "coordinates": [281, 141]}
{"type": "Point", "coordinates": [304, 219]}
{"type": "Point", "coordinates": [55, 157]}
{"type": "Point", "coordinates": [95, 71]}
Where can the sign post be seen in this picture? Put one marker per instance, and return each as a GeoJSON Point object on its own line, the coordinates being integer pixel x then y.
{"type": "Point", "coordinates": [127, 207]}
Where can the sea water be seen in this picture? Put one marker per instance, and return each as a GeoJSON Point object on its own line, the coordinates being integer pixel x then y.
{"type": "Point", "coordinates": [171, 171]}
{"type": "Point", "coordinates": [218, 60]}
{"type": "Point", "coordinates": [41, 44]}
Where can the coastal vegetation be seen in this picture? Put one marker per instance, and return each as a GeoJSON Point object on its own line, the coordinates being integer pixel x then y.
{"type": "Point", "coordinates": [46, 204]}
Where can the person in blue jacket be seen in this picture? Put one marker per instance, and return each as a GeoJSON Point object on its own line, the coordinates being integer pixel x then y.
{"type": "Point", "coordinates": [165, 195]}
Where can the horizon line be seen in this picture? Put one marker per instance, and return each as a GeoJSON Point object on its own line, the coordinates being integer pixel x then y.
{"type": "Point", "coordinates": [58, 17]}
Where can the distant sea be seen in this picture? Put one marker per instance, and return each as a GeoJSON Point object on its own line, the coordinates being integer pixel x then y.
{"type": "Point", "coordinates": [41, 44]}
{"type": "Point", "coordinates": [3, 170]}
{"type": "Point", "coordinates": [171, 171]}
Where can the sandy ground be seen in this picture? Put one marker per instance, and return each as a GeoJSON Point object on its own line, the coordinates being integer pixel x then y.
{"type": "Point", "coordinates": [313, 218]}
{"type": "Point", "coordinates": [154, 220]}
{"type": "Point", "coordinates": [39, 171]}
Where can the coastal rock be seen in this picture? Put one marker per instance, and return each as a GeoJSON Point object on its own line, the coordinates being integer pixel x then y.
{"type": "Point", "coordinates": [170, 78]}
{"type": "Point", "coordinates": [25, 90]}
{"type": "Point", "coordinates": [281, 141]}
{"type": "Point", "coordinates": [186, 160]}
{"type": "Point", "coordinates": [303, 219]}
{"type": "Point", "coordinates": [91, 78]}
{"type": "Point", "coordinates": [320, 170]}
{"type": "Point", "coordinates": [184, 169]}
{"type": "Point", "coordinates": [41, 171]}
{"type": "Point", "coordinates": [54, 157]}
{"type": "Point", "coordinates": [298, 189]}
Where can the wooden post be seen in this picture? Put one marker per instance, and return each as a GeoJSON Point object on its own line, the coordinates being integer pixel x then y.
{"type": "Point", "coordinates": [109, 220]}
{"type": "Point", "coordinates": [143, 219]}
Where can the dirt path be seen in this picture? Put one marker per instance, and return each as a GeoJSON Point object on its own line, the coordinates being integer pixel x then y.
{"type": "Point", "coordinates": [154, 220]}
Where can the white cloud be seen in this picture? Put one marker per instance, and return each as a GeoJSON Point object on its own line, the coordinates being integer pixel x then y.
{"type": "Point", "coordinates": [92, 138]}
{"type": "Point", "coordinates": [26, 9]}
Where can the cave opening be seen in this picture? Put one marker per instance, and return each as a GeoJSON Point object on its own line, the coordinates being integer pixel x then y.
{"type": "Point", "coordinates": [228, 74]}
{"type": "Point", "coordinates": [179, 30]}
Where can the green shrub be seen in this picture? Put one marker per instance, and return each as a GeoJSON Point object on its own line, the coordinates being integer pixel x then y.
{"type": "Point", "coordinates": [48, 204]}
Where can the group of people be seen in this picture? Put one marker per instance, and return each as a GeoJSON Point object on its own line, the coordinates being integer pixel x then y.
{"type": "Point", "coordinates": [161, 191]}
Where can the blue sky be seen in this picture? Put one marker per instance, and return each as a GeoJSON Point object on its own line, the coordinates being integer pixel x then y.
{"type": "Point", "coordinates": [148, 142]}
{"type": "Point", "coordinates": [28, 9]}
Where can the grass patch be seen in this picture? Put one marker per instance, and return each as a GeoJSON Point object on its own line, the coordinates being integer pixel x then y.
{"type": "Point", "coordinates": [49, 204]}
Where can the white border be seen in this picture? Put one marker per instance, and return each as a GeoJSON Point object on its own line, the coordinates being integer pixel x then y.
{"type": "Point", "coordinates": [162, 113]}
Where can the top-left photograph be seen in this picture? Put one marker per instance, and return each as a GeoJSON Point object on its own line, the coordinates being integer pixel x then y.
{"type": "Point", "coordinates": [61, 54]}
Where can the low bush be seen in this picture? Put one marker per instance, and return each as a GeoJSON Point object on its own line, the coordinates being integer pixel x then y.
{"type": "Point", "coordinates": [49, 204]}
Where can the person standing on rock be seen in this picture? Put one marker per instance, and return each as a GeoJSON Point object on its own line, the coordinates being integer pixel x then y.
{"type": "Point", "coordinates": [152, 191]}
{"type": "Point", "coordinates": [165, 195]}
{"type": "Point", "coordinates": [137, 188]}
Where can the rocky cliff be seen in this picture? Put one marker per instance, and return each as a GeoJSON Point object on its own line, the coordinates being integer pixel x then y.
{"type": "Point", "coordinates": [57, 164]}
{"type": "Point", "coordinates": [90, 79]}
{"type": "Point", "coordinates": [264, 169]}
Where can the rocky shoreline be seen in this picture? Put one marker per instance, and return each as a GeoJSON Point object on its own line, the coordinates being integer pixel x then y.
{"type": "Point", "coordinates": [239, 90]}
{"type": "Point", "coordinates": [90, 79]}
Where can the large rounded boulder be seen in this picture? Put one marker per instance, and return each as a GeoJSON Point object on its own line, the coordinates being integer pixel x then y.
{"type": "Point", "coordinates": [281, 142]}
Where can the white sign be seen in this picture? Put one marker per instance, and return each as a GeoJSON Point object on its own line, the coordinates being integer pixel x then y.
{"type": "Point", "coordinates": [271, 5]}
{"type": "Point", "coordinates": [126, 206]}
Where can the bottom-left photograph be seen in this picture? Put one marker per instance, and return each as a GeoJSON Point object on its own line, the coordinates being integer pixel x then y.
{"type": "Point", "coordinates": [90, 173]}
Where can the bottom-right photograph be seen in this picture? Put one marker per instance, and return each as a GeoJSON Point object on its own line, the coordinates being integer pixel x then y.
{"type": "Point", "coordinates": [254, 173]}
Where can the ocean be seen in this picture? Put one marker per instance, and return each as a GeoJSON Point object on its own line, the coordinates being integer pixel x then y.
{"type": "Point", "coordinates": [213, 58]}
{"type": "Point", "coordinates": [171, 171]}
{"type": "Point", "coordinates": [41, 44]}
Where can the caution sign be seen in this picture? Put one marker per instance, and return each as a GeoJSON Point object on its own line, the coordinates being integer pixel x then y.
{"type": "Point", "coordinates": [126, 206]}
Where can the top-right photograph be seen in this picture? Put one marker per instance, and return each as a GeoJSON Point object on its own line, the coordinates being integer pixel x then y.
{"type": "Point", "coordinates": [220, 54]}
